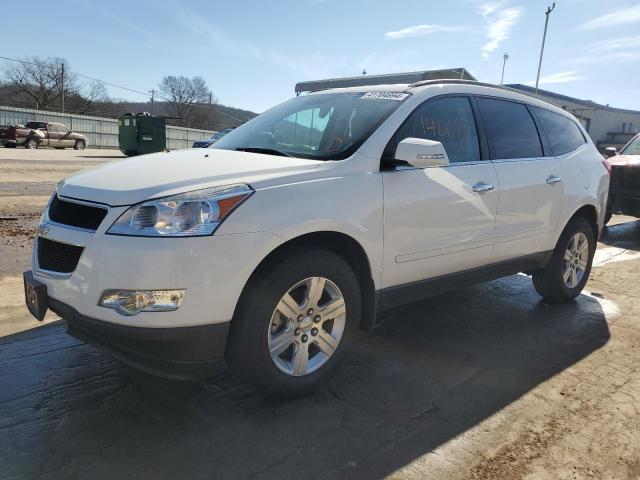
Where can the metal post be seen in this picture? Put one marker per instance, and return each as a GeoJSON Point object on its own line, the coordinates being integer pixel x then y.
{"type": "Point", "coordinates": [62, 88]}
{"type": "Point", "coordinates": [505, 57]}
{"type": "Point", "coordinates": [544, 37]}
{"type": "Point", "coordinates": [152, 94]}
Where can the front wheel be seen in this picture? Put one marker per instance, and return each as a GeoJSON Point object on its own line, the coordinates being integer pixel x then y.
{"type": "Point", "coordinates": [568, 270]}
{"type": "Point", "coordinates": [295, 322]}
{"type": "Point", "coordinates": [80, 144]}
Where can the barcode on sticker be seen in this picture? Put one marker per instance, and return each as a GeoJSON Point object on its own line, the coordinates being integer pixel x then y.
{"type": "Point", "coordinates": [386, 95]}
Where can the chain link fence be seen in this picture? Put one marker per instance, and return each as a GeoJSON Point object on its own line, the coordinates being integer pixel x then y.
{"type": "Point", "coordinates": [100, 132]}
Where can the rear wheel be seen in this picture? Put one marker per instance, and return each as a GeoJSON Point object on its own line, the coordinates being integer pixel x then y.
{"type": "Point", "coordinates": [568, 270]}
{"type": "Point", "coordinates": [32, 143]}
{"type": "Point", "coordinates": [295, 323]}
{"type": "Point", "coordinates": [80, 144]}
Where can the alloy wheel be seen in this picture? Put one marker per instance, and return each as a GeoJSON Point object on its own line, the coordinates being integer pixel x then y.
{"type": "Point", "coordinates": [575, 260]}
{"type": "Point", "coordinates": [306, 326]}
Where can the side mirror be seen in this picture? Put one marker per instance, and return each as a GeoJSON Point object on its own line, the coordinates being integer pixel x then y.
{"type": "Point", "coordinates": [610, 151]}
{"type": "Point", "coordinates": [421, 153]}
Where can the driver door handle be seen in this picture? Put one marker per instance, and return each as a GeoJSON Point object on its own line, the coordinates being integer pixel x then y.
{"type": "Point", "coordinates": [482, 187]}
{"type": "Point", "coordinates": [551, 179]}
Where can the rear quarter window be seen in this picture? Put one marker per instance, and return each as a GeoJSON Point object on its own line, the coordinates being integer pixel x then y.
{"type": "Point", "coordinates": [510, 129]}
{"type": "Point", "coordinates": [563, 134]}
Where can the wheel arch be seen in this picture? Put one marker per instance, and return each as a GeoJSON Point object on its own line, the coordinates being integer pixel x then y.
{"type": "Point", "coordinates": [589, 213]}
{"type": "Point", "coordinates": [339, 243]}
{"type": "Point", "coordinates": [33, 137]}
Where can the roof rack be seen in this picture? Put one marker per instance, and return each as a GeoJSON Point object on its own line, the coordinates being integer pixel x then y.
{"type": "Point", "coordinates": [387, 79]}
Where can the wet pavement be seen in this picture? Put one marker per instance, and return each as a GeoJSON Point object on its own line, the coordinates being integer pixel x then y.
{"type": "Point", "coordinates": [433, 371]}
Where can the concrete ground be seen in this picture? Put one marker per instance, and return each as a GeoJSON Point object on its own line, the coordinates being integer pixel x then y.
{"type": "Point", "coordinates": [484, 383]}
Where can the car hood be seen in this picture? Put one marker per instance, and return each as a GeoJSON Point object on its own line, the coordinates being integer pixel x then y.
{"type": "Point", "coordinates": [136, 179]}
{"type": "Point", "coordinates": [624, 160]}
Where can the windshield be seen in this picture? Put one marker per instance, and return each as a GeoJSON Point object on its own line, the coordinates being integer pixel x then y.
{"type": "Point", "coordinates": [219, 134]}
{"type": "Point", "coordinates": [633, 148]}
{"type": "Point", "coordinates": [328, 126]}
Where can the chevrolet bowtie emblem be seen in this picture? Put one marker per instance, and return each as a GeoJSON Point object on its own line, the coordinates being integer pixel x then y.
{"type": "Point", "coordinates": [43, 230]}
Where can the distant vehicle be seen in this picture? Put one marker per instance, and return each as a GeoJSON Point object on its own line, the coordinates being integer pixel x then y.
{"type": "Point", "coordinates": [41, 134]}
{"type": "Point", "coordinates": [624, 190]}
{"type": "Point", "coordinates": [212, 139]}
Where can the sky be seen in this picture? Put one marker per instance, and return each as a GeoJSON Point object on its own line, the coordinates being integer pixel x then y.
{"type": "Point", "coordinates": [252, 53]}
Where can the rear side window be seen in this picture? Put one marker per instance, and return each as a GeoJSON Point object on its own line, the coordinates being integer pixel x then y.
{"type": "Point", "coordinates": [449, 121]}
{"type": "Point", "coordinates": [510, 129]}
{"type": "Point", "coordinates": [564, 135]}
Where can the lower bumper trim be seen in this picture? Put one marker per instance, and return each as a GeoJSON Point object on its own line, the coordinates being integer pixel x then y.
{"type": "Point", "coordinates": [180, 353]}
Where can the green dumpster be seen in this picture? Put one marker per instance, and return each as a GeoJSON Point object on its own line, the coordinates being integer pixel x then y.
{"type": "Point", "coordinates": [141, 133]}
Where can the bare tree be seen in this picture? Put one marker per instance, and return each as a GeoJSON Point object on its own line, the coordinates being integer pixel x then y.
{"type": "Point", "coordinates": [40, 79]}
{"type": "Point", "coordinates": [87, 96]}
{"type": "Point", "coordinates": [183, 95]}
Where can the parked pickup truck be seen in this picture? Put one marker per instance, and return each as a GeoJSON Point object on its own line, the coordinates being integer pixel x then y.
{"type": "Point", "coordinates": [624, 191]}
{"type": "Point", "coordinates": [41, 134]}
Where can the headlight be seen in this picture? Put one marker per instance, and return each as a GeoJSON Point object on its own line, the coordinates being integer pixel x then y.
{"type": "Point", "coordinates": [189, 214]}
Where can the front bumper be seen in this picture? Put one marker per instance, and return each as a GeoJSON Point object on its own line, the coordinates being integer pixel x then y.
{"type": "Point", "coordinates": [182, 353]}
{"type": "Point", "coordinates": [212, 270]}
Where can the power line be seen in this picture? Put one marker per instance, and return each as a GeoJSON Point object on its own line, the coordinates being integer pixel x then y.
{"type": "Point", "coordinates": [113, 85]}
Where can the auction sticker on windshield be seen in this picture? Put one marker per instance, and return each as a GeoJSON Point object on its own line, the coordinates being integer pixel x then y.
{"type": "Point", "coordinates": [386, 95]}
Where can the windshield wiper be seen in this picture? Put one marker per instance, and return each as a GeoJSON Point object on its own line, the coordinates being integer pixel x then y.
{"type": "Point", "coordinates": [267, 151]}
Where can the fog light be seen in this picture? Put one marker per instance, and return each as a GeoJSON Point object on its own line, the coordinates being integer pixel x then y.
{"type": "Point", "coordinates": [131, 302]}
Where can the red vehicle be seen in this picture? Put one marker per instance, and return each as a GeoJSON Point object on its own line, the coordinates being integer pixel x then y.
{"type": "Point", "coordinates": [41, 134]}
{"type": "Point", "coordinates": [624, 190]}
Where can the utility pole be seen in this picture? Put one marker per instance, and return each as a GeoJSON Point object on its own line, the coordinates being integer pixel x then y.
{"type": "Point", "coordinates": [544, 37]}
{"type": "Point", "coordinates": [152, 94]}
{"type": "Point", "coordinates": [505, 57]}
{"type": "Point", "coordinates": [62, 88]}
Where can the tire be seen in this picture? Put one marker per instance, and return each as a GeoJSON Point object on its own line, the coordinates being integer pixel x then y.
{"type": "Point", "coordinates": [31, 143]}
{"type": "Point", "coordinates": [257, 326]}
{"type": "Point", "coordinates": [10, 145]}
{"type": "Point", "coordinates": [550, 282]}
{"type": "Point", "coordinates": [80, 145]}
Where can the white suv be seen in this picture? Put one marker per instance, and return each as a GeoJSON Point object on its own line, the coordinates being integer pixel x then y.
{"type": "Point", "coordinates": [273, 246]}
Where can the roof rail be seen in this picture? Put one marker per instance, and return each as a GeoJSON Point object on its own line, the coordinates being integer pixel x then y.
{"type": "Point", "coordinates": [473, 82]}
{"type": "Point", "coordinates": [455, 81]}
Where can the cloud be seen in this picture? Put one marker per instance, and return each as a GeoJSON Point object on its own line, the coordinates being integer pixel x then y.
{"type": "Point", "coordinates": [560, 77]}
{"type": "Point", "coordinates": [420, 30]}
{"type": "Point", "coordinates": [619, 17]}
{"type": "Point", "coordinates": [617, 43]}
{"type": "Point", "coordinates": [500, 20]}
{"type": "Point", "coordinates": [617, 57]}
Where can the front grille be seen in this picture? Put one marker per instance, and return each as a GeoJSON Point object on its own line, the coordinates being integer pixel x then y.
{"type": "Point", "coordinates": [625, 178]}
{"type": "Point", "coordinates": [57, 257]}
{"type": "Point", "coordinates": [76, 214]}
